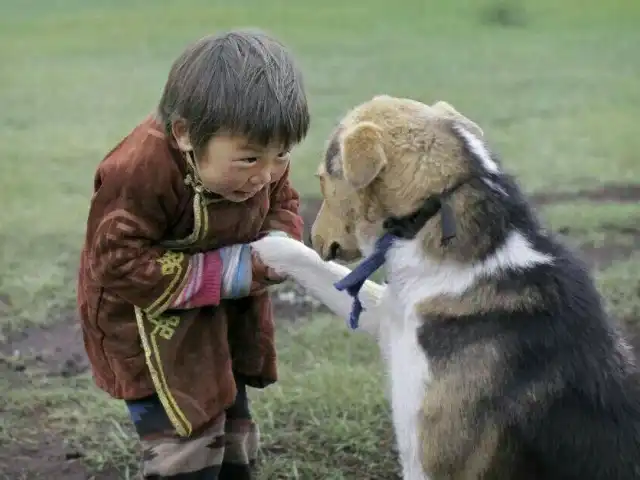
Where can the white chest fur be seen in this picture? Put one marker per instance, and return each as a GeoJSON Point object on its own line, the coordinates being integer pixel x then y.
{"type": "Point", "coordinates": [409, 375]}
{"type": "Point", "coordinates": [414, 278]}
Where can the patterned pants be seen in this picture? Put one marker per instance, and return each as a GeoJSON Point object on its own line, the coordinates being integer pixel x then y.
{"type": "Point", "coordinates": [225, 450]}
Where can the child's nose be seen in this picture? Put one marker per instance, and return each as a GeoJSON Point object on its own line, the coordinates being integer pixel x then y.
{"type": "Point", "coordinates": [262, 178]}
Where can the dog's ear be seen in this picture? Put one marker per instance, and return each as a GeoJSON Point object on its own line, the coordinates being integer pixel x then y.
{"type": "Point", "coordinates": [362, 154]}
{"type": "Point", "coordinates": [447, 110]}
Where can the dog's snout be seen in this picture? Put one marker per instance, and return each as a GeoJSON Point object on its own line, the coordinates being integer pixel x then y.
{"type": "Point", "coordinates": [334, 250]}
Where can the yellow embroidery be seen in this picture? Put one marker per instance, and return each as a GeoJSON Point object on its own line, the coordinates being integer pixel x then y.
{"type": "Point", "coordinates": [171, 262]}
{"type": "Point", "coordinates": [178, 282]}
{"type": "Point", "coordinates": [164, 326]}
{"type": "Point", "coordinates": [200, 224]}
{"type": "Point", "coordinates": [154, 362]}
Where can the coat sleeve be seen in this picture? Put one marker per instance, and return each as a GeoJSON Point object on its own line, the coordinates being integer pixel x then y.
{"type": "Point", "coordinates": [284, 209]}
{"type": "Point", "coordinates": [129, 215]}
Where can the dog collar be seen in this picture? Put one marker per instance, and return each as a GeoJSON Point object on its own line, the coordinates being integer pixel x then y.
{"type": "Point", "coordinates": [354, 281]}
{"type": "Point", "coordinates": [403, 227]}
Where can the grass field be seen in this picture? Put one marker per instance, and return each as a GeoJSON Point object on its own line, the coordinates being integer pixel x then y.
{"type": "Point", "coordinates": [554, 85]}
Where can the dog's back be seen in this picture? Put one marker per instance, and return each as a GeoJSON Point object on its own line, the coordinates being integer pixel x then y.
{"type": "Point", "coordinates": [564, 398]}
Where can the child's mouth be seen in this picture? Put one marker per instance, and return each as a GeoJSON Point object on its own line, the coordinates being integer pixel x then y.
{"type": "Point", "coordinates": [245, 193]}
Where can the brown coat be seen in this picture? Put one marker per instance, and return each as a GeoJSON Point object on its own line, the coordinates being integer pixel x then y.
{"type": "Point", "coordinates": [147, 216]}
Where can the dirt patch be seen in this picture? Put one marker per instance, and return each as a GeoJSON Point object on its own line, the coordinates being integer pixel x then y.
{"type": "Point", "coordinates": [5, 304]}
{"type": "Point", "coordinates": [32, 452]}
{"type": "Point", "coordinates": [59, 348]}
{"type": "Point", "coordinates": [600, 257]}
{"type": "Point", "coordinates": [308, 211]}
{"type": "Point", "coordinates": [607, 193]}
{"type": "Point", "coordinates": [47, 459]}
{"type": "Point", "coordinates": [619, 242]}
{"type": "Point", "coordinates": [631, 329]}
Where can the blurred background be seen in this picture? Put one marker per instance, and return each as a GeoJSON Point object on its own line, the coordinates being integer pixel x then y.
{"type": "Point", "coordinates": [554, 84]}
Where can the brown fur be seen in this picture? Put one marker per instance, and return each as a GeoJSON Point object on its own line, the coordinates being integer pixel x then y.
{"type": "Point", "coordinates": [455, 440]}
{"type": "Point", "coordinates": [528, 377]}
{"type": "Point", "coordinates": [392, 154]}
{"type": "Point", "coordinates": [461, 439]}
{"type": "Point", "coordinates": [384, 159]}
{"type": "Point", "coordinates": [485, 297]}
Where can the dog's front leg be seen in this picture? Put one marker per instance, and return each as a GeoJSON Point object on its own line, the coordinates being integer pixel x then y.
{"type": "Point", "coordinates": [304, 266]}
{"type": "Point", "coordinates": [370, 296]}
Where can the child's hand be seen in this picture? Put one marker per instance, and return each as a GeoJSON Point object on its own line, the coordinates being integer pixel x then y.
{"type": "Point", "coordinates": [243, 273]}
{"type": "Point", "coordinates": [264, 275]}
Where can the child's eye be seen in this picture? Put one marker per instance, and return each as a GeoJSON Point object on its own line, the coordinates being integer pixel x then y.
{"type": "Point", "coordinates": [250, 160]}
{"type": "Point", "coordinates": [284, 155]}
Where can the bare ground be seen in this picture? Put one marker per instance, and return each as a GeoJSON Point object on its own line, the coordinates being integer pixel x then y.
{"type": "Point", "coordinates": [59, 351]}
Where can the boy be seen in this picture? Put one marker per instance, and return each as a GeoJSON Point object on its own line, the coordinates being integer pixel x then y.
{"type": "Point", "coordinates": [174, 310]}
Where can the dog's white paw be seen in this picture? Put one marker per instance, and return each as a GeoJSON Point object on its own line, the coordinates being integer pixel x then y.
{"type": "Point", "coordinates": [282, 253]}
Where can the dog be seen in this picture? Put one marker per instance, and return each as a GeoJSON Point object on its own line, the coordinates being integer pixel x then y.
{"type": "Point", "coordinates": [502, 361]}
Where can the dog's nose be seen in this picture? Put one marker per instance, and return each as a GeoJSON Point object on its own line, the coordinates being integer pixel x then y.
{"type": "Point", "coordinates": [334, 251]}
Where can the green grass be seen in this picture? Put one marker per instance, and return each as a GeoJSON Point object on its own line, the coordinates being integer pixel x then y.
{"type": "Point", "coordinates": [556, 91]}
{"type": "Point", "coordinates": [596, 224]}
{"type": "Point", "coordinates": [329, 404]}
{"type": "Point", "coordinates": [620, 286]}
{"type": "Point", "coordinates": [558, 97]}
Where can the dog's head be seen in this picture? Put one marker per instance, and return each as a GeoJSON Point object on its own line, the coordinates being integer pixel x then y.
{"type": "Point", "coordinates": [386, 157]}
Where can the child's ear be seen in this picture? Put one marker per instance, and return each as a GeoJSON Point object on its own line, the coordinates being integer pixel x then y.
{"type": "Point", "coordinates": [180, 132]}
{"type": "Point", "coordinates": [362, 154]}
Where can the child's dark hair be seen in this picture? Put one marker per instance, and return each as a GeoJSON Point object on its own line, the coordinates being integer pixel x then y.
{"type": "Point", "coordinates": [242, 82]}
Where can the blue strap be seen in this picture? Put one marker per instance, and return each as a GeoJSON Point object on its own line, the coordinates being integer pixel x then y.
{"type": "Point", "coordinates": [354, 281]}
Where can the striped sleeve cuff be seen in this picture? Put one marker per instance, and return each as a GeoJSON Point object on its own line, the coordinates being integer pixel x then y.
{"type": "Point", "coordinates": [203, 284]}
{"type": "Point", "coordinates": [237, 271]}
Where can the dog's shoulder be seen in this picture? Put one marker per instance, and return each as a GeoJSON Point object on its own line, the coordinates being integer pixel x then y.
{"type": "Point", "coordinates": [542, 384]}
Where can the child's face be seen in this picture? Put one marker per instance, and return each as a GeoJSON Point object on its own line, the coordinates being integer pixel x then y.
{"type": "Point", "coordinates": [232, 168]}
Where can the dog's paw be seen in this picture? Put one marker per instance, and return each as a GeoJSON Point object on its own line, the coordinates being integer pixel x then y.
{"type": "Point", "coordinates": [280, 253]}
